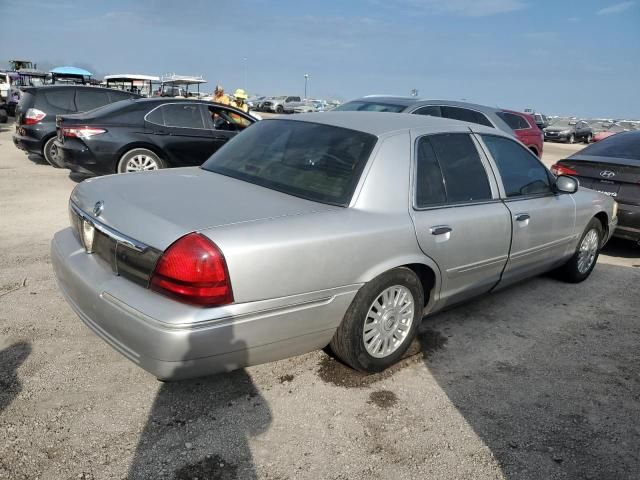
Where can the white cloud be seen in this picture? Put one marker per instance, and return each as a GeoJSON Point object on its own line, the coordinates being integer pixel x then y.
{"type": "Point", "coordinates": [467, 8]}
{"type": "Point", "coordinates": [617, 8]}
{"type": "Point", "coordinates": [574, 19]}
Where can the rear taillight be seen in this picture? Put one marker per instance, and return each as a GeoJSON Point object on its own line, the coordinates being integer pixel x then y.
{"type": "Point", "coordinates": [193, 270]}
{"type": "Point", "coordinates": [81, 132]}
{"type": "Point", "coordinates": [33, 116]}
{"type": "Point", "coordinates": [562, 170]}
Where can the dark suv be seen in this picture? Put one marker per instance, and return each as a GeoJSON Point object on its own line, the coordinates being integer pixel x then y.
{"type": "Point", "coordinates": [38, 107]}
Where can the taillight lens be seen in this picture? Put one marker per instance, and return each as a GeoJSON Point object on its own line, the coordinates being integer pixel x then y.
{"type": "Point", "coordinates": [33, 116]}
{"type": "Point", "coordinates": [193, 270]}
{"type": "Point", "coordinates": [562, 170]}
{"type": "Point", "coordinates": [81, 132]}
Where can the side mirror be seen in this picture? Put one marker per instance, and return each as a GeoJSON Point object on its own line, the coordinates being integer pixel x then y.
{"type": "Point", "coordinates": [566, 184]}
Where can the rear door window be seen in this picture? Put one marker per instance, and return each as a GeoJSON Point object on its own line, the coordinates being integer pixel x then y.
{"type": "Point", "coordinates": [521, 171]}
{"type": "Point", "coordinates": [516, 122]}
{"type": "Point", "coordinates": [431, 110]}
{"type": "Point", "coordinates": [463, 176]}
{"type": "Point", "coordinates": [178, 115]}
{"type": "Point", "coordinates": [60, 99]}
{"type": "Point", "coordinates": [87, 99]}
{"type": "Point", "coordinates": [466, 115]}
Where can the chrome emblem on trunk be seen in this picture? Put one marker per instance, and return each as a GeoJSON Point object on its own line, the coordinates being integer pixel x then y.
{"type": "Point", "coordinates": [607, 174]}
{"type": "Point", "coordinates": [98, 207]}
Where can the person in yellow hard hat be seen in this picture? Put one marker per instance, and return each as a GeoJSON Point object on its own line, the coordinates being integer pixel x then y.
{"type": "Point", "coordinates": [220, 97]}
{"type": "Point", "coordinates": [241, 100]}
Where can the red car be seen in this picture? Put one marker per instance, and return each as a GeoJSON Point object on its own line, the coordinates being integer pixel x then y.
{"type": "Point", "coordinates": [525, 128]}
{"type": "Point", "coordinates": [612, 130]}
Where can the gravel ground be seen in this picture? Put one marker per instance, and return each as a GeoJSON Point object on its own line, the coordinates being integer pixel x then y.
{"type": "Point", "coordinates": [541, 381]}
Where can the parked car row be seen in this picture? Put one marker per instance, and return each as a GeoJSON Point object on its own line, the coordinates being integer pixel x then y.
{"type": "Point", "coordinates": [521, 125]}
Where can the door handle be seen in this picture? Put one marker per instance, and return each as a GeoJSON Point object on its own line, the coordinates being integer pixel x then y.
{"type": "Point", "coordinates": [521, 217]}
{"type": "Point", "coordinates": [161, 133]}
{"type": "Point", "coordinates": [440, 229]}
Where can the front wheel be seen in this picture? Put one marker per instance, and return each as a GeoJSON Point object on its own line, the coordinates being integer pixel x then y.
{"type": "Point", "coordinates": [139, 160]}
{"type": "Point", "coordinates": [381, 321]}
{"type": "Point", "coordinates": [589, 139]}
{"type": "Point", "coordinates": [571, 139]}
{"type": "Point", "coordinates": [583, 261]}
{"type": "Point", "coordinates": [279, 109]}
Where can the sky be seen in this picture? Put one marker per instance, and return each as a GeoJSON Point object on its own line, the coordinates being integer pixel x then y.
{"type": "Point", "coordinates": [563, 57]}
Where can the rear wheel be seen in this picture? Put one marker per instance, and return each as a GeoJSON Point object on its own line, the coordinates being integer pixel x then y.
{"type": "Point", "coordinates": [583, 261]}
{"type": "Point", "coordinates": [381, 321]}
{"type": "Point", "coordinates": [589, 139]}
{"type": "Point", "coordinates": [140, 160]}
{"type": "Point", "coordinates": [50, 152]}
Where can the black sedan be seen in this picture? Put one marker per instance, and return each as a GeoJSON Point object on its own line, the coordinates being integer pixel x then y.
{"type": "Point", "coordinates": [570, 131]}
{"type": "Point", "coordinates": [611, 166]}
{"type": "Point", "coordinates": [145, 134]}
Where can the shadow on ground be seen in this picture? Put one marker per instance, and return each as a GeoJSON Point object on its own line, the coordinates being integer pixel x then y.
{"type": "Point", "coordinates": [11, 357]}
{"type": "Point", "coordinates": [201, 428]}
{"type": "Point", "coordinates": [617, 247]}
{"type": "Point", "coordinates": [554, 392]}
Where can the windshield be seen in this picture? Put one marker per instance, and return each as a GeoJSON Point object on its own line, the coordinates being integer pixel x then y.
{"type": "Point", "coordinates": [563, 123]}
{"type": "Point", "coordinates": [622, 145]}
{"type": "Point", "coordinates": [316, 162]}
{"type": "Point", "coordinates": [359, 106]}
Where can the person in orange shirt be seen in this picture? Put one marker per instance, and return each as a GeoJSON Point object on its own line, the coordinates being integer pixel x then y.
{"type": "Point", "coordinates": [220, 97]}
{"type": "Point", "coordinates": [241, 100]}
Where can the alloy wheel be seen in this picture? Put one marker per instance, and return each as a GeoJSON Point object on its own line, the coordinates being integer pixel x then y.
{"type": "Point", "coordinates": [141, 162]}
{"type": "Point", "coordinates": [588, 250]}
{"type": "Point", "coordinates": [388, 321]}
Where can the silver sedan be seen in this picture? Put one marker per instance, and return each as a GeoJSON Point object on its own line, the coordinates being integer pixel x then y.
{"type": "Point", "coordinates": [340, 228]}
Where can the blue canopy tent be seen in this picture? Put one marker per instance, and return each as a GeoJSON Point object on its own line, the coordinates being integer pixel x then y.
{"type": "Point", "coordinates": [70, 75]}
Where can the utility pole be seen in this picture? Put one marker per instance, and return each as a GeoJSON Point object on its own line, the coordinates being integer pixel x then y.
{"type": "Point", "coordinates": [306, 81]}
{"type": "Point", "coordinates": [244, 60]}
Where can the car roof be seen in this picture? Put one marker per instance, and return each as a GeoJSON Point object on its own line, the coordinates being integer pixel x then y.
{"type": "Point", "coordinates": [411, 101]}
{"type": "Point", "coordinates": [383, 123]}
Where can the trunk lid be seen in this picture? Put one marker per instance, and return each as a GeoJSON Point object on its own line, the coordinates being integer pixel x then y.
{"type": "Point", "coordinates": [159, 207]}
{"type": "Point", "coordinates": [616, 177]}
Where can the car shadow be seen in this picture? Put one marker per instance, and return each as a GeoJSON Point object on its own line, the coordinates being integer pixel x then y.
{"type": "Point", "coordinates": [551, 388]}
{"type": "Point", "coordinates": [200, 428]}
{"type": "Point", "coordinates": [618, 247]}
{"type": "Point", "coordinates": [78, 177]}
{"type": "Point", "coordinates": [11, 358]}
{"type": "Point", "coordinates": [37, 159]}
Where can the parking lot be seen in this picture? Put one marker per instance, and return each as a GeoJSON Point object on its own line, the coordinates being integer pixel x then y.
{"type": "Point", "coordinates": [539, 381]}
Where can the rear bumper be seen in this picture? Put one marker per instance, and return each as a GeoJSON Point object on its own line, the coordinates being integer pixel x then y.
{"type": "Point", "coordinates": [172, 340]}
{"type": "Point", "coordinates": [628, 222]}
{"type": "Point", "coordinates": [75, 156]}
{"type": "Point", "coordinates": [28, 144]}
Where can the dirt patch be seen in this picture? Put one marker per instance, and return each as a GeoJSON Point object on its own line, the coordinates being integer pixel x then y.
{"type": "Point", "coordinates": [333, 371]}
{"type": "Point", "coordinates": [286, 378]}
{"type": "Point", "coordinates": [383, 398]}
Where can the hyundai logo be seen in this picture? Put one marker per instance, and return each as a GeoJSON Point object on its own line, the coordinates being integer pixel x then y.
{"type": "Point", "coordinates": [607, 174]}
{"type": "Point", "coordinates": [98, 207]}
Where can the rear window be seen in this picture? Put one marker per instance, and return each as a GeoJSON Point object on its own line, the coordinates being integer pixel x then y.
{"type": "Point", "coordinates": [317, 162]}
{"type": "Point", "coordinates": [620, 145]}
{"type": "Point", "coordinates": [369, 107]}
{"type": "Point", "coordinates": [60, 99]}
{"type": "Point", "coordinates": [87, 99]}
{"type": "Point", "coordinates": [516, 122]}
{"type": "Point", "coordinates": [466, 115]}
